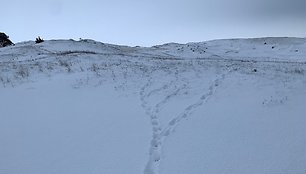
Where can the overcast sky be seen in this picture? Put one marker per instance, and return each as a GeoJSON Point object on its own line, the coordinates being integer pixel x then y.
{"type": "Point", "coordinates": [151, 22]}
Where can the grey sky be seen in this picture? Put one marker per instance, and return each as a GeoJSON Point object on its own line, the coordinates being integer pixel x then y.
{"type": "Point", "coordinates": [150, 22]}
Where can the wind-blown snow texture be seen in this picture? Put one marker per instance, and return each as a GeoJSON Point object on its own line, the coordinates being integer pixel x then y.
{"type": "Point", "coordinates": [224, 106]}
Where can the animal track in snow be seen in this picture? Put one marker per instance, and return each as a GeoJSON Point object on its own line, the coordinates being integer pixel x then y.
{"type": "Point", "coordinates": [159, 133]}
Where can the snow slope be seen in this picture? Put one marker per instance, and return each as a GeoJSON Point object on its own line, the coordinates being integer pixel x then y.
{"type": "Point", "coordinates": [223, 106]}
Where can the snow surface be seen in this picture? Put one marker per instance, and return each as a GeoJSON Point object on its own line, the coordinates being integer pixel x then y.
{"type": "Point", "coordinates": [224, 106]}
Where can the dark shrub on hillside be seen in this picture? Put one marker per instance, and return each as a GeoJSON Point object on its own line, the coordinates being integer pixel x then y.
{"type": "Point", "coordinates": [39, 40]}
{"type": "Point", "coordinates": [4, 40]}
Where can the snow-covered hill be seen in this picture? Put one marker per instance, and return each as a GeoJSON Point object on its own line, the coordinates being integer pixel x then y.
{"type": "Point", "coordinates": [225, 106]}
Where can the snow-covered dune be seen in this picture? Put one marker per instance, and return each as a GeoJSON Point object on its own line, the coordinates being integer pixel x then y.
{"type": "Point", "coordinates": [224, 106]}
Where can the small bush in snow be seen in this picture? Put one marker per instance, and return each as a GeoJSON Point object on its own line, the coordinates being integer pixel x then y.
{"type": "Point", "coordinates": [298, 71]}
{"type": "Point", "coordinates": [23, 72]}
{"type": "Point", "coordinates": [65, 64]}
{"type": "Point", "coordinates": [94, 67]}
